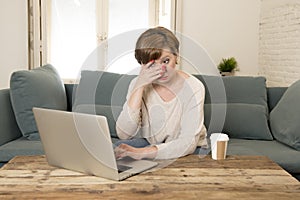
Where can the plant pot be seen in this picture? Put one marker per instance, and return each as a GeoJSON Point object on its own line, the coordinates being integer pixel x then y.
{"type": "Point", "coordinates": [227, 73]}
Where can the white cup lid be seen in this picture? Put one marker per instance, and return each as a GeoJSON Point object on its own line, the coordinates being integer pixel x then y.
{"type": "Point", "coordinates": [219, 136]}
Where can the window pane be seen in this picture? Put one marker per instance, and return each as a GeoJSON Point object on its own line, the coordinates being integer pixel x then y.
{"type": "Point", "coordinates": [73, 27]}
{"type": "Point", "coordinates": [72, 35]}
{"type": "Point", "coordinates": [125, 16]}
{"type": "Point", "coordinates": [165, 13]}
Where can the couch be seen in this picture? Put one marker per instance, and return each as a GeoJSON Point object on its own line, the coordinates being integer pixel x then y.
{"type": "Point", "coordinates": [250, 113]}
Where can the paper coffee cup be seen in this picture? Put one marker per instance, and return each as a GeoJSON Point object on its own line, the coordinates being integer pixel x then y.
{"type": "Point", "coordinates": [218, 145]}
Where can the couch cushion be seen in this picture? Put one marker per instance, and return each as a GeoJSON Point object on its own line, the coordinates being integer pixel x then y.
{"type": "Point", "coordinates": [236, 106]}
{"type": "Point", "coordinates": [285, 117]}
{"type": "Point", "coordinates": [21, 146]}
{"type": "Point", "coordinates": [9, 129]}
{"type": "Point", "coordinates": [102, 88]}
{"type": "Point", "coordinates": [286, 157]}
{"type": "Point", "coordinates": [110, 112]}
{"type": "Point", "coordinates": [102, 93]}
{"type": "Point", "coordinates": [248, 121]}
{"type": "Point", "coordinates": [40, 87]}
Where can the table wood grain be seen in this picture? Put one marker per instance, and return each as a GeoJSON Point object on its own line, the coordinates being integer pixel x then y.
{"type": "Point", "coordinates": [190, 177]}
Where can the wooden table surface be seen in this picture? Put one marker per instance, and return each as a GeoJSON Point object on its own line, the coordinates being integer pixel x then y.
{"type": "Point", "coordinates": [191, 177]}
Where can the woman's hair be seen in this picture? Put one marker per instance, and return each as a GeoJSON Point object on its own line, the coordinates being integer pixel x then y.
{"type": "Point", "coordinates": [152, 42]}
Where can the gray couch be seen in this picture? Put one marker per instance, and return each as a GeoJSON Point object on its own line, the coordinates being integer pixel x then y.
{"type": "Point", "coordinates": [246, 119]}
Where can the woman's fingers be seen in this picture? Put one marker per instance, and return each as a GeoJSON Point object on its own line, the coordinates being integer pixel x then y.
{"type": "Point", "coordinates": [150, 64]}
{"type": "Point", "coordinates": [120, 152]}
{"type": "Point", "coordinates": [149, 73]}
{"type": "Point", "coordinates": [124, 150]}
{"type": "Point", "coordinates": [155, 72]}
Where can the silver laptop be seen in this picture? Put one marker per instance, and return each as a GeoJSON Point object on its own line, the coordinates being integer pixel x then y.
{"type": "Point", "coordinates": [82, 142]}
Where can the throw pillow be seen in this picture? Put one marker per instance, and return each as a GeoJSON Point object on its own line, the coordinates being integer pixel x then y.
{"type": "Point", "coordinates": [285, 117]}
{"type": "Point", "coordinates": [40, 87]}
{"type": "Point", "coordinates": [237, 106]}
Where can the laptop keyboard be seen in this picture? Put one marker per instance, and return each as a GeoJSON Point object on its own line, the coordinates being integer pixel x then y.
{"type": "Point", "coordinates": [122, 168]}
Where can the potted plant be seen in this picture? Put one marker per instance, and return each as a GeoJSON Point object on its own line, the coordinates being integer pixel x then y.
{"type": "Point", "coordinates": [227, 66]}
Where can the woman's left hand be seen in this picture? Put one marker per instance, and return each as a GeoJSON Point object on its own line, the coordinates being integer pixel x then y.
{"type": "Point", "coordinates": [124, 150]}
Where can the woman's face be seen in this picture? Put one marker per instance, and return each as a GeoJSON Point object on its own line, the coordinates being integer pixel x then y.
{"type": "Point", "coordinates": [167, 61]}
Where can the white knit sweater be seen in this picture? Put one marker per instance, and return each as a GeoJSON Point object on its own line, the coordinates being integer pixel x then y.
{"type": "Point", "coordinates": [175, 127]}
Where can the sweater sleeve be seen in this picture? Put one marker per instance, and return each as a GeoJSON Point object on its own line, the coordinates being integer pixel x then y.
{"type": "Point", "coordinates": [128, 122]}
{"type": "Point", "coordinates": [192, 128]}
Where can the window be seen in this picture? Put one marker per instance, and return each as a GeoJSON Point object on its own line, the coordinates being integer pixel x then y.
{"type": "Point", "coordinates": [72, 35]}
{"type": "Point", "coordinates": [77, 27]}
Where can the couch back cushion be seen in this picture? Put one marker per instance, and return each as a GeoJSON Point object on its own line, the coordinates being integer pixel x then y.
{"type": "Point", "coordinates": [40, 87]}
{"type": "Point", "coordinates": [110, 112]}
{"type": "Point", "coordinates": [102, 88]}
{"type": "Point", "coordinates": [102, 93]}
{"type": "Point", "coordinates": [236, 106]}
{"type": "Point", "coordinates": [242, 101]}
{"type": "Point", "coordinates": [285, 117]}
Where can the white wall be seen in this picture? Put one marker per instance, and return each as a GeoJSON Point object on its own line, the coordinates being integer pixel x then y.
{"type": "Point", "coordinates": [279, 54]}
{"type": "Point", "coordinates": [225, 28]}
{"type": "Point", "coordinates": [13, 38]}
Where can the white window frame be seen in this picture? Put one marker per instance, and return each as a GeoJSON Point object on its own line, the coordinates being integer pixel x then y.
{"type": "Point", "coordinates": [37, 33]}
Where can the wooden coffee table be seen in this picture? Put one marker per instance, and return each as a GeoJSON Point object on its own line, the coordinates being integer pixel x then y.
{"type": "Point", "coordinates": [237, 177]}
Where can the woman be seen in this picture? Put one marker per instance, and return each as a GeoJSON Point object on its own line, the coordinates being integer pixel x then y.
{"type": "Point", "coordinates": [164, 106]}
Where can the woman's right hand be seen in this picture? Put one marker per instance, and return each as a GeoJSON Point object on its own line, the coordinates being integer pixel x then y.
{"type": "Point", "coordinates": [148, 74]}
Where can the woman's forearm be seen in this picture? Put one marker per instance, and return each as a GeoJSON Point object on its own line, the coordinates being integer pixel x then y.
{"type": "Point", "coordinates": [135, 100]}
{"type": "Point", "coordinates": [128, 121]}
{"type": "Point", "coordinates": [124, 150]}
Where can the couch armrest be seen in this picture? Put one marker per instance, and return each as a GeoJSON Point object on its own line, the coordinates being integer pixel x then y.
{"type": "Point", "coordinates": [9, 129]}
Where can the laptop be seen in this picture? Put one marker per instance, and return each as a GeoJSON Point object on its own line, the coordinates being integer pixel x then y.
{"type": "Point", "coordinates": [82, 142]}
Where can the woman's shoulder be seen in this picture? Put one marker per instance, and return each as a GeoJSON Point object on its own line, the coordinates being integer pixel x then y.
{"type": "Point", "coordinates": [192, 81]}
{"type": "Point", "coordinates": [189, 77]}
{"type": "Point", "coordinates": [183, 74]}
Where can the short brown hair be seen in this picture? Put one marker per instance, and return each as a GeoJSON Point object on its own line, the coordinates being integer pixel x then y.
{"type": "Point", "coordinates": [152, 42]}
